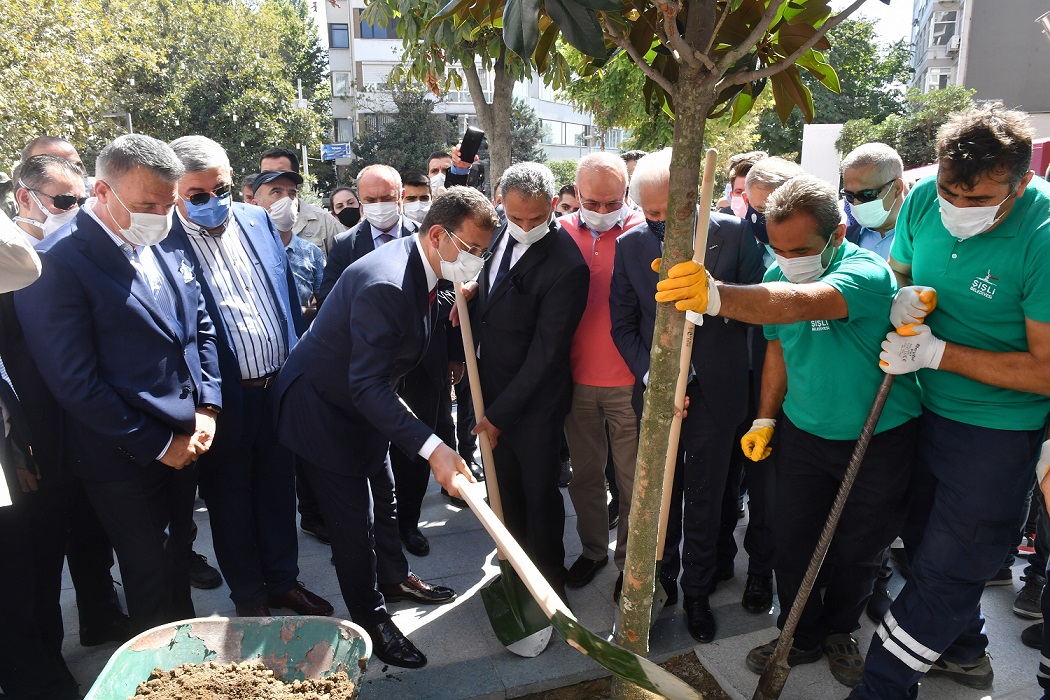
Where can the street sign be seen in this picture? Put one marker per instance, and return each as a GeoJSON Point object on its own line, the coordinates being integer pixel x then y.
{"type": "Point", "coordinates": [332, 151]}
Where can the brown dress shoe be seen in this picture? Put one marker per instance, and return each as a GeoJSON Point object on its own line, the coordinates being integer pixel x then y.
{"type": "Point", "coordinates": [417, 590]}
{"type": "Point", "coordinates": [302, 601]}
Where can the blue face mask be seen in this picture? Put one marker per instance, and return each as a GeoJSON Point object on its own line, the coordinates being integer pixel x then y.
{"type": "Point", "coordinates": [657, 227]}
{"type": "Point", "coordinates": [212, 214]}
{"type": "Point", "coordinates": [758, 224]}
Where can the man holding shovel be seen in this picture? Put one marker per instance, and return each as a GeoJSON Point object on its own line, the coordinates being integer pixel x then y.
{"type": "Point", "coordinates": [825, 304]}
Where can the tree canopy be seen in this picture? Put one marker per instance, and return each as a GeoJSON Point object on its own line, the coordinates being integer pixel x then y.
{"type": "Point", "coordinates": [526, 133]}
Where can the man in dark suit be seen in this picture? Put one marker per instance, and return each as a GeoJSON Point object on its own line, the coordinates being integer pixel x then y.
{"type": "Point", "coordinates": [119, 330]}
{"type": "Point", "coordinates": [717, 392]}
{"type": "Point", "coordinates": [338, 408]}
{"type": "Point", "coordinates": [247, 479]}
{"type": "Point", "coordinates": [532, 295]}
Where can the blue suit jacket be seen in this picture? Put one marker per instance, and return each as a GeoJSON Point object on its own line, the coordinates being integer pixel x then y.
{"type": "Point", "coordinates": [124, 376]}
{"type": "Point", "coordinates": [263, 243]}
{"type": "Point", "coordinates": [338, 404]}
{"type": "Point", "coordinates": [720, 345]}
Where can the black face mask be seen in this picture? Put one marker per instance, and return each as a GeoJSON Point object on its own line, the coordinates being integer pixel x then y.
{"type": "Point", "coordinates": [657, 227]}
{"type": "Point", "coordinates": [758, 224]}
{"type": "Point", "coordinates": [349, 216]}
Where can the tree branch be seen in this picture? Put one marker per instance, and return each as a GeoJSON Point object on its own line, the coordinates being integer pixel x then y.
{"type": "Point", "coordinates": [774, 68]}
{"type": "Point", "coordinates": [718, 26]}
{"type": "Point", "coordinates": [624, 43]}
{"type": "Point", "coordinates": [670, 9]}
{"type": "Point", "coordinates": [752, 39]}
{"type": "Point", "coordinates": [477, 95]}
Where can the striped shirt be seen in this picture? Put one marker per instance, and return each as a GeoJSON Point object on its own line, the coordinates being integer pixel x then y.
{"type": "Point", "coordinates": [235, 276]}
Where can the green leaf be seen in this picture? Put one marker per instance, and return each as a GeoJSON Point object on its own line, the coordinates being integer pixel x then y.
{"type": "Point", "coordinates": [795, 92]}
{"type": "Point", "coordinates": [601, 5]}
{"type": "Point", "coordinates": [543, 48]}
{"type": "Point", "coordinates": [451, 10]}
{"type": "Point", "coordinates": [811, 12]}
{"type": "Point", "coordinates": [521, 29]}
{"type": "Point", "coordinates": [579, 25]}
{"type": "Point", "coordinates": [791, 37]}
{"type": "Point", "coordinates": [815, 63]}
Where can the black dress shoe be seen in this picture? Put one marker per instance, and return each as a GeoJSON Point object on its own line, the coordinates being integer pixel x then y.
{"type": "Point", "coordinates": [392, 647]}
{"type": "Point", "coordinates": [253, 611]}
{"type": "Point", "coordinates": [583, 570]}
{"type": "Point", "coordinates": [416, 542]}
{"type": "Point", "coordinates": [458, 502]}
{"type": "Point", "coordinates": [316, 529]}
{"type": "Point", "coordinates": [699, 619]}
{"type": "Point", "coordinates": [671, 589]}
{"type": "Point", "coordinates": [879, 602]}
{"type": "Point", "coordinates": [202, 574]}
{"type": "Point", "coordinates": [417, 590]}
{"type": "Point", "coordinates": [302, 601]}
{"type": "Point", "coordinates": [565, 476]}
{"type": "Point", "coordinates": [758, 594]}
{"type": "Point", "coordinates": [116, 629]}
{"type": "Point", "coordinates": [614, 514]}
{"type": "Point", "coordinates": [476, 469]}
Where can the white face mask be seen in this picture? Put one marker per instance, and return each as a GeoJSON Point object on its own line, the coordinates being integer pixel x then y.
{"type": "Point", "coordinates": [436, 183]}
{"type": "Point", "coordinates": [600, 222]}
{"type": "Point", "coordinates": [144, 229]}
{"type": "Point", "coordinates": [416, 210]}
{"type": "Point", "coordinates": [382, 215]}
{"type": "Point", "coordinates": [872, 214]}
{"type": "Point", "coordinates": [739, 206]}
{"type": "Point", "coordinates": [463, 269]}
{"type": "Point", "coordinates": [967, 222]}
{"type": "Point", "coordinates": [807, 268]}
{"type": "Point", "coordinates": [528, 237]}
{"type": "Point", "coordinates": [52, 222]}
{"type": "Point", "coordinates": [284, 213]}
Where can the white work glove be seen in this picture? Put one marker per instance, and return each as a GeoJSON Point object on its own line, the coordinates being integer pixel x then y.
{"type": "Point", "coordinates": [714, 303]}
{"type": "Point", "coordinates": [910, 348]}
{"type": "Point", "coordinates": [1042, 465]}
{"type": "Point", "coordinates": [912, 305]}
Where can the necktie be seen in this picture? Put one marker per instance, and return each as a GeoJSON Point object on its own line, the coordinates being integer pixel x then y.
{"type": "Point", "coordinates": [504, 263]}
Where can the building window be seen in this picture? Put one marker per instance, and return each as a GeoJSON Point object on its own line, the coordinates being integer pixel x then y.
{"type": "Point", "coordinates": [938, 78]}
{"type": "Point", "coordinates": [546, 92]}
{"type": "Point", "coordinates": [553, 132]}
{"type": "Point", "coordinates": [370, 31]}
{"type": "Point", "coordinates": [943, 28]}
{"type": "Point", "coordinates": [344, 130]}
{"type": "Point", "coordinates": [342, 84]}
{"type": "Point", "coordinates": [339, 36]}
{"type": "Point", "coordinates": [575, 135]}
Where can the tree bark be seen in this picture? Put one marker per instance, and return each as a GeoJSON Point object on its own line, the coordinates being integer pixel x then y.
{"type": "Point", "coordinates": [494, 117]}
{"type": "Point", "coordinates": [694, 97]}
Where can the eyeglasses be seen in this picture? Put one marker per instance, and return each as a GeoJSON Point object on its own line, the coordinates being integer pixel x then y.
{"type": "Point", "coordinates": [65, 202]}
{"type": "Point", "coordinates": [865, 196]}
{"type": "Point", "coordinates": [483, 253]}
{"type": "Point", "coordinates": [609, 207]}
{"type": "Point", "coordinates": [199, 199]}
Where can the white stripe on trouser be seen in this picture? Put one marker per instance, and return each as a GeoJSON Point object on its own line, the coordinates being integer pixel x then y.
{"type": "Point", "coordinates": [904, 646]}
{"type": "Point", "coordinates": [1044, 667]}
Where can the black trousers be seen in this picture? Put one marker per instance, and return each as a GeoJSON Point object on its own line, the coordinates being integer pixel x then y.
{"type": "Point", "coordinates": [250, 491]}
{"type": "Point", "coordinates": [361, 538]}
{"type": "Point", "coordinates": [809, 472]}
{"type": "Point", "coordinates": [527, 468]}
{"type": "Point", "coordinates": [148, 519]}
{"type": "Point", "coordinates": [694, 518]}
{"type": "Point", "coordinates": [412, 472]}
{"type": "Point", "coordinates": [466, 441]}
{"type": "Point", "coordinates": [304, 492]}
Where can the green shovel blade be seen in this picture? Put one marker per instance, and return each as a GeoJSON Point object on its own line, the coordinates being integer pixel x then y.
{"type": "Point", "coordinates": [516, 618]}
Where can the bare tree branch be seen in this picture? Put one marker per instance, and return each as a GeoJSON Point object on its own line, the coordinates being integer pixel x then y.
{"type": "Point", "coordinates": [714, 34]}
{"type": "Point", "coordinates": [670, 10]}
{"type": "Point", "coordinates": [757, 32]}
{"type": "Point", "coordinates": [772, 69]}
{"type": "Point", "coordinates": [624, 43]}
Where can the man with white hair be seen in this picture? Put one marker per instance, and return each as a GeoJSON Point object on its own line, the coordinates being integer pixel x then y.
{"type": "Point", "coordinates": [717, 391]}
{"type": "Point", "coordinates": [602, 418]}
{"type": "Point", "coordinates": [532, 294]}
{"type": "Point", "coordinates": [872, 184]}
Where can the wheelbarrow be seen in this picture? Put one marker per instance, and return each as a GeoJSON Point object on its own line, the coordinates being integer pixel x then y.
{"type": "Point", "coordinates": [294, 647]}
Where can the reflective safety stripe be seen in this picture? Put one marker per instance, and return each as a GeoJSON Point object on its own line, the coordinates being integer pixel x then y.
{"type": "Point", "coordinates": [905, 647]}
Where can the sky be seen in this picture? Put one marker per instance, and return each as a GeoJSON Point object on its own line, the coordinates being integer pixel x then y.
{"type": "Point", "coordinates": [893, 21]}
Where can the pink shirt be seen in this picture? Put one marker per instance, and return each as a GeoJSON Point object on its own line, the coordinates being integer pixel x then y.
{"type": "Point", "coordinates": [594, 359]}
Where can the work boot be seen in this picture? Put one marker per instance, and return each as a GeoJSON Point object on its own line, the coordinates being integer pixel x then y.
{"type": "Point", "coordinates": [1026, 604]}
{"type": "Point", "coordinates": [977, 674]}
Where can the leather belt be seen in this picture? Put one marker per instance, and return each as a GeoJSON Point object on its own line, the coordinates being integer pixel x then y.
{"type": "Point", "coordinates": [261, 382]}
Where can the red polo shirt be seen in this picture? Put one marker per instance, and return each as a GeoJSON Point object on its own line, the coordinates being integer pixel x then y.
{"type": "Point", "coordinates": [594, 358]}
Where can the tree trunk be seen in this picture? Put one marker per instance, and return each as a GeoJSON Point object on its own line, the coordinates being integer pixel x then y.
{"type": "Point", "coordinates": [494, 117]}
{"type": "Point", "coordinates": [694, 96]}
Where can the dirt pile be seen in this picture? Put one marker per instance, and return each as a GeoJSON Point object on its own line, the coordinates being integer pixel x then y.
{"type": "Point", "coordinates": [244, 681]}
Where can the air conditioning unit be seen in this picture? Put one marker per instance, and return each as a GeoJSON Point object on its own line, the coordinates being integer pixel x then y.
{"type": "Point", "coordinates": [953, 44]}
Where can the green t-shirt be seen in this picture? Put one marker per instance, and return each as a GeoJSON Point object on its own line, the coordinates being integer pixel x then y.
{"type": "Point", "coordinates": [986, 287]}
{"type": "Point", "coordinates": [833, 366]}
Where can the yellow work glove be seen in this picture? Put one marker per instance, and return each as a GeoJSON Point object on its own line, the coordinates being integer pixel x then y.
{"type": "Point", "coordinates": [690, 286]}
{"type": "Point", "coordinates": [755, 443]}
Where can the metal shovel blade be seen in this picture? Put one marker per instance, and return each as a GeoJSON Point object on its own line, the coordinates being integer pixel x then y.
{"type": "Point", "coordinates": [516, 618]}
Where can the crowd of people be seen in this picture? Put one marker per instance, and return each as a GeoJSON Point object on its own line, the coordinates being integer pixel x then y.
{"type": "Point", "coordinates": [159, 339]}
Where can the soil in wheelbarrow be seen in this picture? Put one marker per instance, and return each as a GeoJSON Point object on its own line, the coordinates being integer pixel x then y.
{"type": "Point", "coordinates": [243, 681]}
{"type": "Point", "coordinates": [687, 667]}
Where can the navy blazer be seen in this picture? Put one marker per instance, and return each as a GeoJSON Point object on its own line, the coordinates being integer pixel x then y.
{"type": "Point", "coordinates": [338, 405]}
{"type": "Point", "coordinates": [124, 376]}
{"type": "Point", "coordinates": [524, 329]}
{"type": "Point", "coordinates": [263, 242]}
{"type": "Point", "coordinates": [350, 246]}
{"type": "Point", "coordinates": [720, 345]}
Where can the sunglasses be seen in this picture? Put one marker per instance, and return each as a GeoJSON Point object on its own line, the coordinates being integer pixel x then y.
{"type": "Point", "coordinates": [199, 199]}
{"type": "Point", "coordinates": [65, 202]}
{"type": "Point", "coordinates": [865, 196]}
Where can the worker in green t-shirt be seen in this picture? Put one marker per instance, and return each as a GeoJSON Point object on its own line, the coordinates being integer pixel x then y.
{"type": "Point", "coordinates": [979, 234]}
{"type": "Point", "coordinates": [825, 305]}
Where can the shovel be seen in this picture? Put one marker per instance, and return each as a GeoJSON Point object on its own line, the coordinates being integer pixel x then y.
{"type": "Point", "coordinates": [516, 619]}
{"type": "Point", "coordinates": [625, 664]}
{"type": "Point", "coordinates": [685, 360]}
